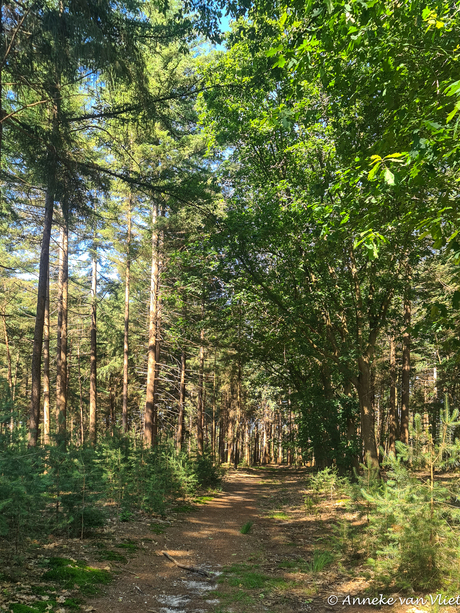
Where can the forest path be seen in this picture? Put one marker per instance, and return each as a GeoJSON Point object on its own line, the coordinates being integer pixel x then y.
{"type": "Point", "coordinates": [264, 570]}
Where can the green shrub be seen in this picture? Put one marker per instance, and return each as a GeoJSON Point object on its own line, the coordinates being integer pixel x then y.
{"type": "Point", "coordinates": [328, 481]}
{"type": "Point", "coordinates": [413, 525]}
{"type": "Point", "coordinates": [207, 473]}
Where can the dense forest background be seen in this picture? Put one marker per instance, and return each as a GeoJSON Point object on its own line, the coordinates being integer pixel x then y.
{"type": "Point", "coordinates": [245, 253]}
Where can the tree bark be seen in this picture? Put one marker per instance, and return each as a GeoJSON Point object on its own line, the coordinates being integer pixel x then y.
{"type": "Point", "coordinates": [9, 371]}
{"type": "Point", "coordinates": [8, 354]}
{"type": "Point", "coordinates": [200, 411]}
{"type": "Point", "coordinates": [180, 421]}
{"type": "Point", "coordinates": [93, 353]}
{"type": "Point", "coordinates": [364, 389]}
{"type": "Point", "coordinates": [213, 426]}
{"type": "Point", "coordinates": [126, 337]}
{"type": "Point", "coordinates": [61, 362]}
{"type": "Point", "coordinates": [150, 416]}
{"type": "Point", "coordinates": [82, 433]}
{"type": "Point", "coordinates": [406, 366]}
{"type": "Point", "coordinates": [34, 415]}
{"type": "Point", "coordinates": [392, 415]}
{"type": "Point", "coordinates": [46, 366]}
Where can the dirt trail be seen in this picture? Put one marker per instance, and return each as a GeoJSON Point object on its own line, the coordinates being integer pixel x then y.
{"type": "Point", "coordinates": [210, 538]}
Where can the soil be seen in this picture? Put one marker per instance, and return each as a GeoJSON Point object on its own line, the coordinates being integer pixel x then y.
{"type": "Point", "coordinates": [284, 535]}
{"type": "Point", "coordinates": [296, 554]}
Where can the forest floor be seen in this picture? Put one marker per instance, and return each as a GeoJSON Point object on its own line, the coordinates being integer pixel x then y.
{"type": "Point", "coordinates": [276, 566]}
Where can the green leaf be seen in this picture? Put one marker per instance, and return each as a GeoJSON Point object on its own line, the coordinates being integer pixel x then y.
{"type": "Point", "coordinates": [273, 51]}
{"type": "Point", "coordinates": [452, 89]}
{"type": "Point", "coordinates": [373, 172]}
{"type": "Point", "coordinates": [389, 177]}
{"type": "Point", "coordinates": [452, 114]}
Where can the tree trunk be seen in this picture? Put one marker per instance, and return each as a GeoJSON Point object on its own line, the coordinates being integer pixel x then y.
{"type": "Point", "coordinates": [126, 337]}
{"type": "Point", "coordinates": [229, 438]}
{"type": "Point", "coordinates": [200, 411]}
{"type": "Point", "coordinates": [364, 389]}
{"type": "Point", "coordinates": [280, 438]}
{"type": "Point", "coordinates": [67, 387]}
{"type": "Point", "coordinates": [405, 379]}
{"type": "Point", "coordinates": [8, 354]}
{"type": "Point", "coordinates": [61, 361]}
{"type": "Point", "coordinates": [9, 371]}
{"type": "Point", "coordinates": [150, 417]}
{"type": "Point", "coordinates": [46, 367]}
{"type": "Point", "coordinates": [34, 415]}
{"type": "Point", "coordinates": [247, 444]}
{"type": "Point", "coordinates": [180, 421]}
{"type": "Point", "coordinates": [392, 411]}
{"type": "Point", "coordinates": [82, 425]}
{"type": "Point", "coordinates": [93, 353]}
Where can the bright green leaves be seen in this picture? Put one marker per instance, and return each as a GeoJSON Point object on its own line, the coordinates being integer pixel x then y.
{"type": "Point", "coordinates": [371, 241]}
{"type": "Point", "coordinates": [380, 165]}
{"type": "Point", "coordinates": [388, 176]}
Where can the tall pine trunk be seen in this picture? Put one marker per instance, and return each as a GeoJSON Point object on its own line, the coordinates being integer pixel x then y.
{"type": "Point", "coordinates": [61, 362]}
{"type": "Point", "coordinates": [46, 367]}
{"type": "Point", "coordinates": [80, 393]}
{"type": "Point", "coordinates": [126, 337]}
{"type": "Point", "coordinates": [150, 417]}
{"type": "Point", "coordinates": [406, 366]}
{"type": "Point", "coordinates": [200, 412]}
{"type": "Point", "coordinates": [8, 354]}
{"type": "Point", "coordinates": [364, 389]}
{"type": "Point", "coordinates": [392, 411]}
{"type": "Point", "coordinates": [180, 421]}
{"type": "Point", "coordinates": [214, 400]}
{"type": "Point", "coordinates": [34, 414]}
{"type": "Point", "coordinates": [93, 352]}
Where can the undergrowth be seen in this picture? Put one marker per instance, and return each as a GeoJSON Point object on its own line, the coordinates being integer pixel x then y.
{"type": "Point", "coordinates": [65, 491]}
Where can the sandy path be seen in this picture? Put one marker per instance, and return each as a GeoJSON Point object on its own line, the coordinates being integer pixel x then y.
{"type": "Point", "coordinates": [210, 538]}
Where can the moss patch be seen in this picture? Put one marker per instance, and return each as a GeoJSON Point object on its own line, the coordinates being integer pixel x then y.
{"type": "Point", "coordinates": [114, 556]}
{"type": "Point", "coordinates": [278, 515]}
{"type": "Point", "coordinates": [202, 499]}
{"type": "Point", "coordinates": [69, 574]}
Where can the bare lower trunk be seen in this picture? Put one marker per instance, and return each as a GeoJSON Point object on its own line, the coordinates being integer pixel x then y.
{"type": "Point", "coordinates": [126, 337]}
{"type": "Point", "coordinates": [93, 356]}
{"type": "Point", "coordinates": [364, 389]}
{"type": "Point", "coordinates": [213, 426]}
{"type": "Point", "coordinates": [405, 379]}
{"type": "Point", "coordinates": [34, 415]}
{"type": "Point", "coordinates": [46, 367]}
{"type": "Point", "coordinates": [8, 354]}
{"type": "Point", "coordinates": [229, 438]}
{"type": "Point", "coordinates": [180, 421]}
{"type": "Point", "coordinates": [150, 418]}
{"type": "Point", "coordinates": [247, 444]}
{"type": "Point", "coordinates": [200, 411]}
{"type": "Point", "coordinates": [61, 362]}
{"type": "Point", "coordinates": [280, 439]}
{"type": "Point", "coordinates": [392, 416]}
{"type": "Point", "coordinates": [9, 372]}
{"type": "Point", "coordinates": [82, 433]}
